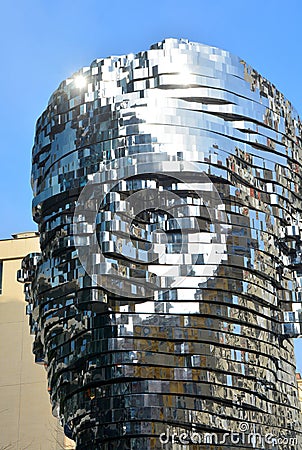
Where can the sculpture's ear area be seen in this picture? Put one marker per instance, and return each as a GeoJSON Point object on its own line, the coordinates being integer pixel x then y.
{"type": "Point", "coordinates": [290, 276]}
{"type": "Point", "coordinates": [28, 274]}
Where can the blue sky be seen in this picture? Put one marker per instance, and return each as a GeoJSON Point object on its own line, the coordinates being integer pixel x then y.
{"type": "Point", "coordinates": [43, 42]}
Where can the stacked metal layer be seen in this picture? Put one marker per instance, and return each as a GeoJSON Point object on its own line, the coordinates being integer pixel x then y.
{"type": "Point", "coordinates": [166, 294]}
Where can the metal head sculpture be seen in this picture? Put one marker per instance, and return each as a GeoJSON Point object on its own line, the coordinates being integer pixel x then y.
{"type": "Point", "coordinates": [167, 193]}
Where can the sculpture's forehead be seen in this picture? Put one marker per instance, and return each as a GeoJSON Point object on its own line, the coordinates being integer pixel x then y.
{"type": "Point", "coordinates": [175, 98]}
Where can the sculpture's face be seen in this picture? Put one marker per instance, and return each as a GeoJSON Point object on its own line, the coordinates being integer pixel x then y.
{"type": "Point", "coordinates": [163, 183]}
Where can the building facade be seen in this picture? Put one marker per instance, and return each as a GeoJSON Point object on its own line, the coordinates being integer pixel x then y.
{"type": "Point", "coordinates": [26, 421]}
{"type": "Point", "coordinates": [167, 189]}
{"type": "Point", "coordinates": [299, 382]}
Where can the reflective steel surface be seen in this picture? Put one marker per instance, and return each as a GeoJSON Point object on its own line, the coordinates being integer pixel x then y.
{"type": "Point", "coordinates": [167, 189]}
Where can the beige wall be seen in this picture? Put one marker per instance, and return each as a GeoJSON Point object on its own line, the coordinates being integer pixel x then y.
{"type": "Point", "coordinates": [26, 421]}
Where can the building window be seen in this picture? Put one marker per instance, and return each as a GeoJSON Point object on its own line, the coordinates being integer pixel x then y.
{"type": "Point", "coordinates": [1, 272]}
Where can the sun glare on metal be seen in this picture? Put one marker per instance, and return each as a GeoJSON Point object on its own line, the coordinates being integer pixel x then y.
{"type": "Point", "coordinates": [80, 81]}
